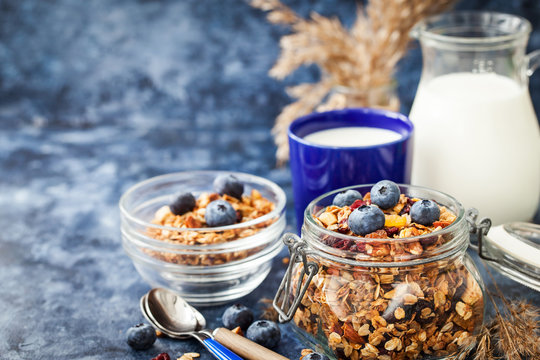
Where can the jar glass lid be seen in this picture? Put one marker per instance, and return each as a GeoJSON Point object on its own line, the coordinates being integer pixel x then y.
{"type": "Point", "coordinates": [514, 250]}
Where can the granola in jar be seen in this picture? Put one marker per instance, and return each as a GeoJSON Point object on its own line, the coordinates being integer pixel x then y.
{"type": "Point", "coordinates": [402, 291]}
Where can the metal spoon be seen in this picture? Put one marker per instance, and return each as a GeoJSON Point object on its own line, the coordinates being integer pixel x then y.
{"type": "Point", "coordinates": [185, 324]}
{"type": "Point", "coordinates": [179, 314]}
{"type": "Point", "coordinates": [155, 305]}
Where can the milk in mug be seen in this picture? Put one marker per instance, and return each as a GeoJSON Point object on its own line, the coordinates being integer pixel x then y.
{"type": "Point", "coordinates": [352, 136]}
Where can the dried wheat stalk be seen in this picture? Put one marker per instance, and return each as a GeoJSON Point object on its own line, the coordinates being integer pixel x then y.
{"type": "Point", "coordinates": [361, 58]}
{"type": "Point", "coordinates": [516, 327]}
{"type": "Point", "coordinates": [513, 334]}
{"type": "Point", "coordinates": [484, 347]}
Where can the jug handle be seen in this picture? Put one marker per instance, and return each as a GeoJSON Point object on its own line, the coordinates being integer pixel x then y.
{"type": "Point", "coordinates": [532, 62]}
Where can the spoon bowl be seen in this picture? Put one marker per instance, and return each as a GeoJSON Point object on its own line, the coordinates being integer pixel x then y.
{"type": "Point", "coordinates": [156, 324]}
{"type": "Point", "coordinates": [172, 315]}
{"type": "Point", "coordinates": [154, 306]}
{"type": "Point", "coordinates": [171, 312]}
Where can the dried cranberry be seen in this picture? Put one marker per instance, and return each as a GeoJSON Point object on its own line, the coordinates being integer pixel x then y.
{"type": "Point", "coordinates": [343, 230]}
{"type": "Point", "coordinates": [343, 244]}
{"type": "Point", "coordinates": [392, 231]}
{"type": "Point", "coordinates": [357, 204]}
{"type": "Point", "coordinates": [343, 226]}
{"type": "Point", "coordinates": [407, 208]}
{"type": "Point", "coordinates": [333, 242]}
{"type": "Point", "coordinates": [329, 241]}
{"type": "Point", "coordinates": [428, 241]}
{"type": "Point", "coordinates": [162, 356]}
{"type": "Point", "coordinates": [361, 247]}
{"type": "Point", "coordinates": [357, 247]}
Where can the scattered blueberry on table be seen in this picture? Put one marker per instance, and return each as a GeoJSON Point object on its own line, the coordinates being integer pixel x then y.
{"type": "Point", "coordinates": [141, 336]}
{"type": "Point", "coordinates": [237, 315]}
{"type": "Point", "coordinates": [228, 184]}
{"type": "Point", "coordinates": [346, 198]}
{"type": "Point", "coordinates": [264, 332]}
{"type": "Point", "coordinates": [385, 194]}
{"type": "Point", "coordinates": [220, 213]}
{"type": "Point", "coordinates": [315, 356]}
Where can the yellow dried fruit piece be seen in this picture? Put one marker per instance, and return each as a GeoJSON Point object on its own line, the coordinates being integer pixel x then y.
{"type": "Point", "coordinates": [395, 220]}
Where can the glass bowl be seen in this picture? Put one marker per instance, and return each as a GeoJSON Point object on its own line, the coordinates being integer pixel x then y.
{"type": "Point", "coordinates": [230, 264]}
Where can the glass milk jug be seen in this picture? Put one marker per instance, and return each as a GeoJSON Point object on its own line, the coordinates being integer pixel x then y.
{"type": "Point", "coordinates": [476, 133]}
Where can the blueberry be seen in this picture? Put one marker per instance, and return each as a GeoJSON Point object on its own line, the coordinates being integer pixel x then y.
{"type": "Point", "coordinates": [141, 337]}
{"type": "Point", "coordinates": [346, 198]}
{"type": "Point", "coordinates": [366, 219]}
{"type": "Point", "coordinates": [315, 356]}
{"type": "Point", "coordinates": [184, 202]}
{"type": "Point", "coordinates": [220, 213]}
{"type": "Point", "coordinates": [425, 212]}
{"type": "Point", "coordinates": [230, 185]}
{"type": "Point", "coordinates": [385, 194]}
{"type": "Point", "coordinates": [264, 332]}
{"type": "Point", "coordinates": [237, 315]}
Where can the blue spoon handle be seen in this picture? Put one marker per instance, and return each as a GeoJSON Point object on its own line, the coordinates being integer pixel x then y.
{"type": "Point", "coordinates": [220, 351]}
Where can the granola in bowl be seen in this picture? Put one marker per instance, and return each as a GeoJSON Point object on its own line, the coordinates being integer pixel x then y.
{"type": "Point", "coordinates": [175, 228]}
{"type": "Point", "coordinates": [211, 241]}
{"type": "Point", "coordinates": [398, 290]}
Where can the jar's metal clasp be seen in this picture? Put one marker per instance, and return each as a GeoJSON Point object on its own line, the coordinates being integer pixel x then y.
{"type": "Point", "coordinates": [284, 302]}
{"type": "Point", "coordinates": [481, 229]}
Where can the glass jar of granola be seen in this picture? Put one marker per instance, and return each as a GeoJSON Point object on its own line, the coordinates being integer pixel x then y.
{"type": "Point", "coordinates": [406, 291]}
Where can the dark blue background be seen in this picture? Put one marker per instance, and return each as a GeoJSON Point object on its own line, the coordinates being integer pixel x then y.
{"type": "Point", "coordinates": [98, 95]}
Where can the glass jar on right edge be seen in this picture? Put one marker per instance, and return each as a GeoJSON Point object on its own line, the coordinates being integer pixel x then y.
{"type": "Point", "coordinates": [476, 132]}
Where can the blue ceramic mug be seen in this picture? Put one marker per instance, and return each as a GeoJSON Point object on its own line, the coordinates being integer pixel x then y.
{"type": "Point", "coordinates": [317, 169]}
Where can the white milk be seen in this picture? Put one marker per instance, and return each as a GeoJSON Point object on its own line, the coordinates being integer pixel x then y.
{"type": "Point", "coordinates": [477, 138]}
{"type": "Point", "coordinates": [352, 136]}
